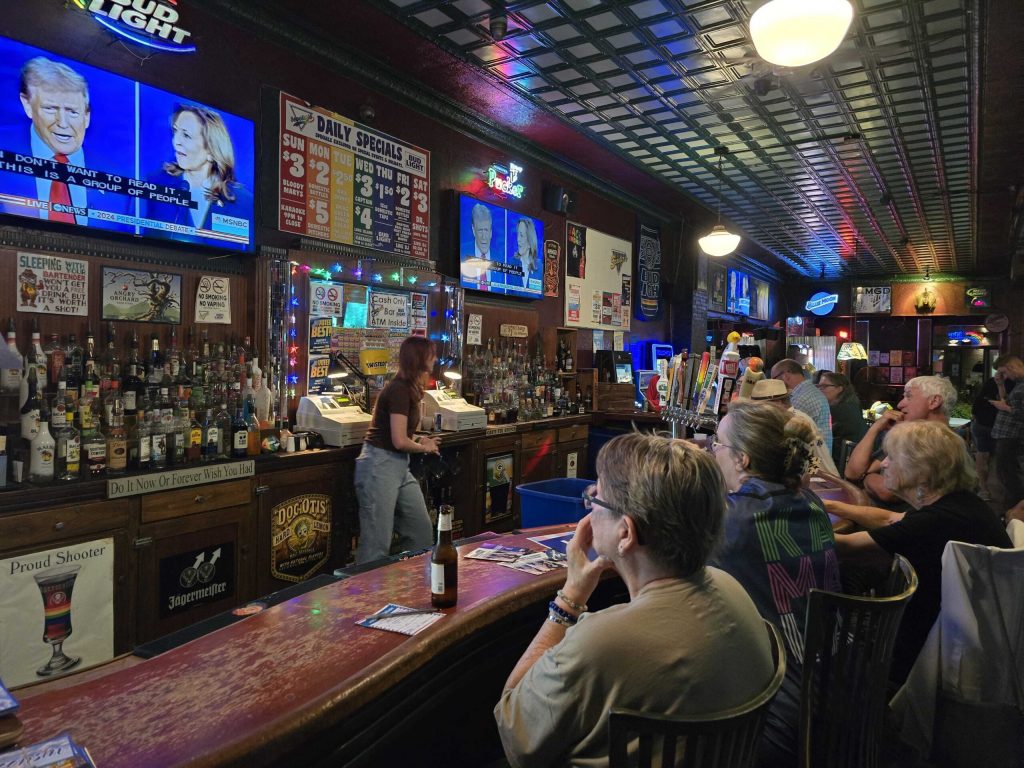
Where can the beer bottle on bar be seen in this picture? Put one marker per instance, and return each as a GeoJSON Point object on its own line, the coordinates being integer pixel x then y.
{"type": "Point", "coordinates": [444, 562]}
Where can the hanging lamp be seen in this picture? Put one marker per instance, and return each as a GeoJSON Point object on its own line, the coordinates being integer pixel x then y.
{"type": "Point", "coordinates": [792, 33]}
{"type": "Point", "coordinates": [719, 241]}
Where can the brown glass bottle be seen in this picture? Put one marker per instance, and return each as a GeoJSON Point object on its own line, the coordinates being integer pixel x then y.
{"type": "Point", "coordinates": [444, 562]}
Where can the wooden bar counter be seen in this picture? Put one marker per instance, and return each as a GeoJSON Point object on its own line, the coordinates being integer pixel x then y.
{"type": "Point", "coordinates": [301, 684]}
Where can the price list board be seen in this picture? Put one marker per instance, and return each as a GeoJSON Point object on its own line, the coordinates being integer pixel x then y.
{"type": "Point", "coordinates": [345, 182]}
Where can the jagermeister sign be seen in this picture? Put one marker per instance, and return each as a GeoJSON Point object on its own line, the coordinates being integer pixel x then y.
{"type": "Point", "coordinates": [300, 536]}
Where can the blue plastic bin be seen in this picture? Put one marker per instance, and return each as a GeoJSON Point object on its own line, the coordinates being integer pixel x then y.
{"type": "Point", "coordinates": [548, 502]}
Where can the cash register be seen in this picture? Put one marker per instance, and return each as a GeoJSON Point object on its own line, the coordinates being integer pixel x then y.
{"type": "Point", "coordinates": [456, 414]}
{"type": "Point", "coordinates": [335, 416]}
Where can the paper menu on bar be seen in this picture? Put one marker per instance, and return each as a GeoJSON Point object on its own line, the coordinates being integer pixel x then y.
{"type": "Point", "coordinates": [393, 619]}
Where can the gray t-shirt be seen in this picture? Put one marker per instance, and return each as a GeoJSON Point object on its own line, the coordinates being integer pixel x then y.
{"type": "Point", "coordinates": [682, 647]}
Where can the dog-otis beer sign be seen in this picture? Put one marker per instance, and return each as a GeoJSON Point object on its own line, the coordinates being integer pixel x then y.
{"type": "Point", "coordinates": [300, 536]}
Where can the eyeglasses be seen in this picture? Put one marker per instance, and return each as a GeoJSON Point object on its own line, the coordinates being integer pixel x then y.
{"type": "Point", "coordinates": [823, 386]}
{"type": "Point", "coordinates": [590, 499]}
{"type": "Point", "coordinates": [715, 443]}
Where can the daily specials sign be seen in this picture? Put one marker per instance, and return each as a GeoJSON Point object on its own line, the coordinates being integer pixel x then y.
{"type": "Point", "coordinates": [58, 609]}
{"type": "Point", "coordinates": [345, 182]}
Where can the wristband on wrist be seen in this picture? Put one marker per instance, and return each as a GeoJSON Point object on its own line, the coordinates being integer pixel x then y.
{"type": "Point", "coordinates": [554, 618]}
{"type": "Point", "coordinates": [571, 603]}
{"type": "Point", "coordinates": [557, 610]}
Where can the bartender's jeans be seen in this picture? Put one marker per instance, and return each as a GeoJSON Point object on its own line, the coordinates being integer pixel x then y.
{"type": "Point", "coordinates": [390, 501]}
{"type": "Point", "coordinates": [1008, 455]}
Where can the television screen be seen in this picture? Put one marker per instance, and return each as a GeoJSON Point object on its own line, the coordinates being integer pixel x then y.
{"type": "Point", "coordinates": [85, 147]}
{"type": "Point", "coordinates": [499, 250]}
{"type": "Point", "coordinates": [738, 297]}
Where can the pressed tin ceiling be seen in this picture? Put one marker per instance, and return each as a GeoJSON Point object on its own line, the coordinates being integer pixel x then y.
{"type": "Point", "coordinates": [866, 163]}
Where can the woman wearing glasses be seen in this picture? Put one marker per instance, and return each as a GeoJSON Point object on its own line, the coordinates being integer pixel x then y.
{"type": "Point", "coordinates": [847, 419]}
{"type": "Point", "coordinates": [777, 541]}
{"type": "Point", "coordinates": [688, 642]}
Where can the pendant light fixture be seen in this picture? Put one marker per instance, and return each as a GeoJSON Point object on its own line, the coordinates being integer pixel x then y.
{"type": "Point", "coordinates": [719, 241]}
{"type": "Point", "coordinates": [792, 33]}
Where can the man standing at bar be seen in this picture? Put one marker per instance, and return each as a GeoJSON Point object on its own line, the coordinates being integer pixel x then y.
{"type": "Point", "coordinates": [805, 396]}
{"type": "Point", "coordinates": [689, 642]}
{"type": "Point", "coordinates": [1008, 429]}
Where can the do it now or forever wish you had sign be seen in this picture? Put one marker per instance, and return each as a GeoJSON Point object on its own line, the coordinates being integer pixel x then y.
{"type": "Point", "coordinates": [213, 300]}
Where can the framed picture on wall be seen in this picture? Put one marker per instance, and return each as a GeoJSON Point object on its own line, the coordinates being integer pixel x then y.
{"type": "Point", "coordinates": [141, 297]}
{"type": "Point", "coordinates": [760, 296]}
{"type": "Point", "coordinates": [717, 281]}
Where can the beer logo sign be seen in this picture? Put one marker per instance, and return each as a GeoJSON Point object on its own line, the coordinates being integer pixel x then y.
{"type": "Point", "coordinates": [152, 23]}
{"type": "Point", "coordinates": [300, 536]}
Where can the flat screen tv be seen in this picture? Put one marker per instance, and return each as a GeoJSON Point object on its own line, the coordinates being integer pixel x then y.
{"type": "Point", "coordinates": [84, 147]}
{"type": "Point", "coordinates": [738, 296]}
{"type": "Point", "coordinates": [500, 250]}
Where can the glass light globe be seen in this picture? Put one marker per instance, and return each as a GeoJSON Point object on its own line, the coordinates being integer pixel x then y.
{"type": "Point", "coordinates": [719, 241]}
{"type": "Point", "coordinates": [792, 33]}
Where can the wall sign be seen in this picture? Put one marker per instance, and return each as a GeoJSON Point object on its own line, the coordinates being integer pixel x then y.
{"type": "Point", "coordinates": [345, 182]}
{"type": "Point", "coordinates": [325, 298]}
{"type": "Point", "coordinates": [977, 297]}
{"type": "Point", "coordinates": [870, 299]}
{"type": "Point", "coordinates": [552, 257]}
{"type": "Point", "coordinates": [388, 310]}
{"type": "Point", "coordinates": [506, 180]}
{"type": "Point", "coordinates": [513, 331]}
{"type": "Point", "coordinates": [474, 326]}
{"type": "Point", "coordinates": [52, 284]}
{"type": "Point", "coordinates": [144, 22]}
{"type": "Point", "coordinates": [141, 297]}
{"type": "Point", "coordinates": [822, 303]}
{"type": "Point", "coordinates": [213, 300]}
{"type": "Point", "coordinates": [598, 279]}
{"type": "Point", "coordinates": [179, 478]}
{"type": "Point", "coordinates": [319, 367]}
{"type": "Point", "coordinates": [300, 536]}
{"type": "Point", "coordinates": [58, 609]}
{"type": "Point", "coordinates": [196, 578]}
{"type": "Point", "coordinates": [649, 269]}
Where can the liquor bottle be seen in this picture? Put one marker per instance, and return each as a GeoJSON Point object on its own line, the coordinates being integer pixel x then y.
{"type": "Point", "coordinates": [89, 360]}
{"type": "Point", "coordinates": [172, 360]}
{"type": "Point", "coordinates": [32, 406]}
{"type": "Point", "coordinates": [117, 436]}
{"type": "Point", "coordinates": [178, 453]}
{"type": "Point", "coordinates": [194, 450]}
{"type": "Point", "coordinates": [567, 360]}
{"type": "Point", "coordinates": [94, 445]}
{"type": "Point", "coordinates": [54, 352]}
{"type": "Point", "coordinates": [155, 362]}
{"type": "Point", "coordinates": [34, 358]}
{"type": "Point", "coordinates": [73, 357]}
{"type": "Point", "coordinates": [41, 454]}
{"type": "Point", "coordinates": [112, 400]}
{"type": "Point", "coordinates": [223, 421]}
{"type": "Point", "coordinates": [158, 440]}
{"type": "Point", "coordinates": [10, 378]}
{"type": "Point", "coordinates": [253, 441]}
{"type": "Point", "coordinates": [211, 438]}
{"type": "Point", "coordinates": [60, 401]}
{"type": "Point", "coordinates": [444, 562]}
{"type": "Point", "coordinates": [139, 444]}
{"type": "Point", "coordinates": [239, 435]}
{"type": "Point", "coordinates": [110, 366]}
{"type": "Point", "coordinates": [134, 391]}
{"type": "Point", "coordinates": [69, 447]}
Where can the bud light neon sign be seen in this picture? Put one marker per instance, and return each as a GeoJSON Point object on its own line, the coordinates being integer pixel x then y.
{"type": "Point", "coordinates": [153, 23]}
{"type": "Point", "coordinates": [822, 303]}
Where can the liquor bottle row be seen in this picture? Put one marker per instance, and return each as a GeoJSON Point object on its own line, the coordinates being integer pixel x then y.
{"type": "Point", "coordinates": [203, 373]}
{"type": "Point", "coordinates": [513, 385]}
{"type": "Point", "coordinates": [165, 433]}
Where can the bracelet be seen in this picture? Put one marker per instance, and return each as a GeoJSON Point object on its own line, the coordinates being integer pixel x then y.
{"type": "Point", "coordinates": [574, 605]}
{"type": "Point", "coordinates": [555, 609]}
{"type": "Point", "coordinates": [556, 619]}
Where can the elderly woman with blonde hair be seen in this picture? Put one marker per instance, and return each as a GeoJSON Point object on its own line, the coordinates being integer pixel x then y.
{"type": "Point", "coordinates": [928, 466]}
{"type": "Point", "coordinates": [777, 540]}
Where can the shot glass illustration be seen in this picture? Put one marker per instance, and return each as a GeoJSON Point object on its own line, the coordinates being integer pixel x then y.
{"type": "Point", "coordinates": [55, 587]}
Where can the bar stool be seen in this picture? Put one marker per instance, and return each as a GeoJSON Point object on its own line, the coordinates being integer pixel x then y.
{"type": "Point", "coordinates": [848, 644]}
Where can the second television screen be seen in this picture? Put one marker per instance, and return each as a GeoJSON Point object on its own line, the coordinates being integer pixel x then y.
{"type": "Point", "coordinates": [499, 250]}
